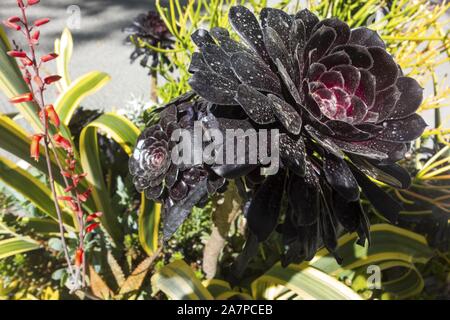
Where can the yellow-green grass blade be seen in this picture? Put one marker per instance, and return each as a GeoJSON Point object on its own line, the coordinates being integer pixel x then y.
{"type": "Point", "coordinates": [148, 224]}
{"type": "Point", "coordinates": [178, 282]}
{"type": "Point", "coordinates": [306, 283]}
{"type": "Point", "coordinates": [31, 188]}
{"type": "Point", "coordinates": [70, 99]}
{"type": "Point", "coordinates": [64, 49]}
{"type": "Point", "coordinates": [11, 247]}
{"type": "Point", "coordinates": [388, 243]}
{"type": "Point", "coordinates": [12, 83]}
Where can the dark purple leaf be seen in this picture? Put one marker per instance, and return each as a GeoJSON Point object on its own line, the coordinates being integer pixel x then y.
{"type": "Point", "coordinates": [246, 25]}
{"type": "Point", "coordinates": [309, 19]}
{"type": "Point", "coordinates": [385, 102]}
{"type": "Point", "coordinates": [264, 210]}
{"type": "Point", "coordinates": [257, 105]}
{"type": "Point", "coordinates": [213, 87]}
{"type": "Point", "coordinates": [201, 37]}
{"type": "Point", "coordinates": [366, 88]}
{"type": "Point", "coordinates": [304, 200]}
{"type": "Point", "coordinates": [335, 59]}
{"type": "Point", "coordinates": [384, 68]}
{"type": "Point", "coordinates": [341, 28]}
{"type": "Point", "coordinates": [340, 178]}
{"type": "Point", "coordinates": [320, 42]}
{"type": "Point", "coordinates": [279, 21]}
{"type": "Point", "coordinates": [351, 76]}
{"type": "Point", "coordinates": [293, 154]}
{"type": "Point", "coordinates": [403, 130]}
{"type": "Point", "coordinates": [366, 37]}
{"type": "Point", "coordinates": [380, 200]}
{"type": "Point", "coordinates": [253, 71]}
{"type": "Point", "coordinates": [218, 61]}
{"type": "Point", "coordinates": [277, 50]}
{"type": "Point", "coordinates": [155, 192]}
{"type": "Point", "coordinates": [226, 43]}
{"type": "Point", "coordinates": [175, 215]}
{"type": "Point", "coordinates": [288, 82]}
{"type": "Point", "coordinates": [410, 98]}
{"type": "Point", "coordinates": [360, 56]}
{"type": "Point", "coordinates": [286, 114]}
{"type": "Point", "coordinates": [346, 131]}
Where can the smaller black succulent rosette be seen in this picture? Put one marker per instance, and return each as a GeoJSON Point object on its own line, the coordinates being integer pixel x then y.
{"type": "Point", "coordinates": [344, 110]}
{"type": "Point", "coordinates": [151, 29]}
{"type": "Point", "coordinates": [179, 186]}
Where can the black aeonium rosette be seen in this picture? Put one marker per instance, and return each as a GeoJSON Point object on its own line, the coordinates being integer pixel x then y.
{"type": "Point", "coordinates": [150, 29]}
{"type": "Point", "coordinates": [344, 110]}
{"type": "Point", "coordinates": [179, 186]}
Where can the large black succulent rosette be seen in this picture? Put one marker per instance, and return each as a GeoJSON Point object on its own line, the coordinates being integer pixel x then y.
{"type": "Point", "coordinates": [344, 110]}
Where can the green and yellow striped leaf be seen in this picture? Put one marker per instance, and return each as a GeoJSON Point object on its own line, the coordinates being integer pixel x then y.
{"type": "Point", "coordinates": [12, 83]}
{"type": "Point", "coordinates": [148, 224]}
{"type": "Point", "coordinates": [300, 283]}
{"type": "Point", "coordinates": [64, 49]}
{"type": "Point", "coordinates": [69, 100]}
{"type": "Point", "coordinates": [391, 247]}
{"type": "Point", "coordinates": [178, 282]}
{"type": "Point", "coordinates": [11, 247]}
{"type": "Point", "coordinates": [31, 188]}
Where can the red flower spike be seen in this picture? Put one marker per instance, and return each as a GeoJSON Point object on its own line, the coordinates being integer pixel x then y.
{"type": "Point", "coordinates": [17, 54]}
{"type": "Point", "coordinates": [49, 57]}
{"type": "Point", "coordinates": [62, 142]}
{"type": "Point", "coordinates": [52, 115]}
{"type": "Point", "coordinates": [14, 19]}
{"type": "Point", "coordinates": [34, 146]}
{"type": "Point", "coordinates": [26, 97]}
{"type": "Point", "coordinates": [92, 227]}
{"type": "Point", "coordinates": [41, 22]}
{"type": "Point", "coordinates": [32, 2]}
{"type": "Point", "coordinates": [11, 25]}
{"type": "Point", "coordinates": [51, 79]}
{"type": "Point", "coordinates": [79, 257]}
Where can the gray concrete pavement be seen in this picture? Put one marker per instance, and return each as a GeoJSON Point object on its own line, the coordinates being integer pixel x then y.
{"type": "Point", "coordinates": [98, 45]}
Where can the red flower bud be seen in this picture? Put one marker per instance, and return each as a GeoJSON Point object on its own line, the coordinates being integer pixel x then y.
{"type": "Point", "coordinates": [32, 2]}
{"type": "Point", "coordinates": [65, 174]}
{"type": "Point", "coordinates": [20, 3]}
{"type": "Point", "coordinates": [79, 257]}
{"type": "Point", "coordinates": [62, 142]}
{"type": "Point", "coordinates": [14, 19]}
{"type": "Point", "coordinates": [22, 98]}
{"type": "Point", "coordinates": [36, 35]}
{"type": "Point", "coordinates": [41, 22]}
{"type": "Point", "coordinates": [51, 79]}
{"type": "Point", "coordinates": [94, 216]}
{"type": "Point", "coordinates": [85, 195]}
{"type": "Point", "coordinates": [27, 79]}
{"type": "Point", "coordinates": [52, 115]}
{"type": "Point", "coordinates": [11, 25]}
{"type": "Point", "coordinates": [17, 54]}
{"type": "Point", "coordinates": [68, 189]}
{"type": "Point", "coordinates": [38, 81]}
{"type": "Point", "coordinates": [92, 227]}
{"type": "Point", "coordinates": [34, 146]}
{"type": "Point", "coordinates": [65, 198]}
{"type": "Point", "coordinates": [49, 57]}
{"type": "Point", "coordinates": [27, 61]}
